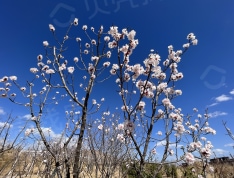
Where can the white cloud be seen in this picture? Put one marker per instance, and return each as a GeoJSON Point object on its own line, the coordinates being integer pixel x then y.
{"type": "Point", "coordinates": [4, 125]}
{"type": "Point", "coordinates": [217, 114]}
{"type": "Point", "coordinates": [222, 98]}
{"type": "Point", "coordinates": [229, 144]}
{"type": "Point", "coordinates": [27, 116]}
{"type": "Point", "coordinates": [220, 152]}
{"type": "Point", "coordinates": [48, 132]}
{"type": "Point", "coordinates": [232, 92]}
{"type": "Point", "coordinates": [213, 104]}
{"type": "Point", "coordinates": [2, 112]}
{"type": "Point", "coordinates": [163, 143]}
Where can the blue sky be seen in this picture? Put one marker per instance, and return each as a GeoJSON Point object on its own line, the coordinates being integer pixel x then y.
{"type": "Point", "coordinates": [207, 68]}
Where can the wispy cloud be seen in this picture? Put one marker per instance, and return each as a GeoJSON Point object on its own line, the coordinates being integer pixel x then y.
{"type": "Point", "coordinates": [222, 98]}
{"type": "Point", "coordinates": [229, 145]}
{"type": "Point", "coordinates": [4, 125]}
{"type": "Point", "coordinates": [213, 104]}
{"type": "Point", "coordinates": [217, 114]}
{"type": "Point", "coordinates": [27, 116]}
{"type": "Point", "coordinates": [232, 92]}
{"type": "Point", "coordinates": [220, 152]}
{"type": "Point", "coordinates": [2, 112]}
{"type": "Point", "coordinates": [163, 143]}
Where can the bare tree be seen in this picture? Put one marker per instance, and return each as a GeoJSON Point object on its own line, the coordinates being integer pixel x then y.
{"type": "Point", "coordinates": [107, 150]}
{"type": "Point", "coordinates": [12, 142]}
{"type": "Point", "coordinates": [229, 132]}
{"type": "Point", "coordinates": [6, 142]}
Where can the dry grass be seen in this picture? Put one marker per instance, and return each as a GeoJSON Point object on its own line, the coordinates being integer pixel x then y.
{"type": "Point", "coordinates": [17, 163]}
{"type": "Point", "coordinates": [221, 170]}
{"type": "Point", "coordinates": [21, 164]}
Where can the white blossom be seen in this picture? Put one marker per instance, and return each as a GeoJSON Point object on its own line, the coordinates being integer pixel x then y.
{"type": "Point", "coordinates": [51, 27]}
{"type": "Point", "coordinates": [75, 22]}
{"type": "Point", "coordinates": [191, 36]}
{"type": "Point", "coordinates": [50, 71]}
{"type": "Point", "coordinates": [194, 42]}
{"type": "Point", "coordinates": [106, 64]}
{"type": "Point", "coordinates": [13, 78]}
{"type": "Point", "coordinates": [71, 70]}
{"type": "Point", "coordinates": [84, 27]}
{"type": "Point", "coordinates": [94, 102]}
{"type": "Point", "coordinates": [131, 35]}
{"type": "Point", "coordinates": [120, 137]}
{"type": "Point", "coordinates": [107, 38]}
{"type": "Point", "coordinates": [186, 45]}
{"type": "Point", "coordinates": [78, 39]}
{"type": "Point", "coordinates": [166, 102]}
{"type": "Point", "coordinates": [189, 158]}
{"type": "Point", "coordinates": [153, 151]}
{"type": "Point", "coordinates": [39, 57]}
{"type": "Point", "coordinates": [45, 43]}
{"type": "Point", "coordinates": [120, 126]}
{"type": "Point", "coordinates": [93, 42]}
{"type": "Point", "coordinates": [76, 59]}
{"type": "Point", "coordinates": [141, 105]}
{"type": "Point", "coordinates": [23, 89]}
{"type": "Point", "coordinates": [159, 133]}
{"type": "Point", "coordinates": [100, 127]}
{"type": "Point", "coordinates": [33, 70]}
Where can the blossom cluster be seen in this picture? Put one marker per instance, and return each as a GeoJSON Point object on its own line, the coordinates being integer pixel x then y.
{"type": "Point", "coordinates": [29, 131]}
{"type": "Point", "coordinates": [7, 83]}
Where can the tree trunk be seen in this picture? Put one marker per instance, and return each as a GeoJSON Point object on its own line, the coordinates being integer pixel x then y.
{"type": "Point", "coordinates": [76, 167]}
